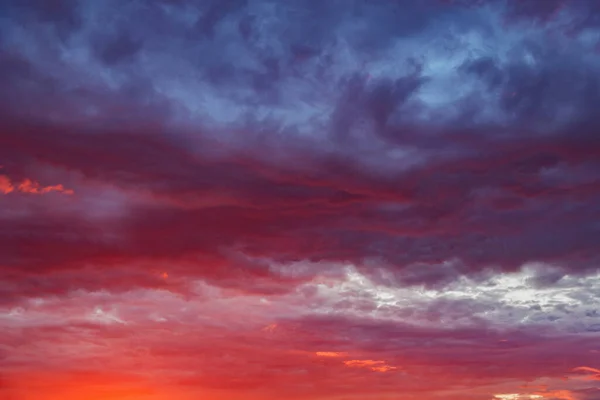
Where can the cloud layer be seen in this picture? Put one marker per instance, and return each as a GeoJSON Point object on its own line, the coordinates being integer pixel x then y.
{"type": "Point", "coordinates": [322, 200]}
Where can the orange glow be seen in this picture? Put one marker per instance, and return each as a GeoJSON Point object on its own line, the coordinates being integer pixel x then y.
{"type": "Point", "coordinates": [62, 385]}
{"type": "Point", "coordinates": [595, 376]}
{"type": "Point", "coordinates": [517, 396]}
{"type": "Point", "coordinates": [373, 365]}
{"type": "Point", "coordinates": [6, 186]}
{"type": "Point", "coordinates": [542, 394]}
{"type": "Point", "coordinates": [30, 187]}
{"type": "Point", "coordinates": [556, 394]}
{"type": "Point", "coordinates": [71, 386]}
{"type": "Point", "coordinates": [330, 354]}
{"type": "Point", "coordinates": [270, 328]}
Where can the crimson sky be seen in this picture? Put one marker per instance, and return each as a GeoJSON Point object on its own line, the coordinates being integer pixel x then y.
{"type": "Point", "coordinates": [299, 199]}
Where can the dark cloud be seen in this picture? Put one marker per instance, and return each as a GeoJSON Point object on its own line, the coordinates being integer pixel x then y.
{"type": "Point", "coordinates": [445, 208]}
{"type": "Point", "coordinates": [63, 16]}
{"type": "Point", "coordinates": [118, 48]}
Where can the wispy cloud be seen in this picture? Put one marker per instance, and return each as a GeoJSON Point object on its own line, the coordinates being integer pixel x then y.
{"type": "Point", "coordinates": [29, 187]}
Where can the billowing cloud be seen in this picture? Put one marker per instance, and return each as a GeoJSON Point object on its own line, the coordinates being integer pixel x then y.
{"type": "Point", "coordinates": [317, 200]}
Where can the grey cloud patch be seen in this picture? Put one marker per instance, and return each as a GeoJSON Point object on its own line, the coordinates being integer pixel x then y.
{"type": "Point", "coordinates": [496, 301]}
{"type": "Point", "coordinates": [118, 48]}
{"type": "Point", "coordinates": [64, 16]}
{"type": "Point", "coordinates": [318, 40]}
{"type": "Point", "coordinates": [367, 108]}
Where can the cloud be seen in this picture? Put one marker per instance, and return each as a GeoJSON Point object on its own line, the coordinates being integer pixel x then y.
{"type": "Point", "coordinates": [595, 373]}
{"type": "Point", "coordinates": [92, 333]}
{"type": "Point", "coordinates": [27, 186]}
{"type": "Point", "coordinates": [286, 187]}
{"type": "Point", "coordinates": [330, 354]}
{"type": "Point", "coordinates": [377, 366]}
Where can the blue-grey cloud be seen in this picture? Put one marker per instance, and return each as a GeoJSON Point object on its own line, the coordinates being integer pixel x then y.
{"type": "Point", "coordinates": [401, 135]}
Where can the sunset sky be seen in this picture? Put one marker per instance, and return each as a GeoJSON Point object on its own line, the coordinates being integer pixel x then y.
{"type": "Point", "coordinates": [299, 199]}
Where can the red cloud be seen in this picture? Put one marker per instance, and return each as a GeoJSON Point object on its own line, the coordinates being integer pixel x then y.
{"type": "Point", "coordinates": [30, 187]}
{"type": "Point", "coordinates": [593, 374]}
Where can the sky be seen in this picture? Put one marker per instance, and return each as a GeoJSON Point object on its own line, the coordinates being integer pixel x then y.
{"type": "Point", "coordinates": [300, 199]}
